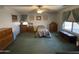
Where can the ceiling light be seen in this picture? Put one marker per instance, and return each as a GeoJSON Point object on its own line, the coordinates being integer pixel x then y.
{"type": "Point", "coordinates": [39, 11]}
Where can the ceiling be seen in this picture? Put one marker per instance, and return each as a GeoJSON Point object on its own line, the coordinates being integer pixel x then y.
{"type": "Point", "coordinates": [23, 9]}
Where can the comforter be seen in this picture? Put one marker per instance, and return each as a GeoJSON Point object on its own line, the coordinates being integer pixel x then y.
{"type": "Point", "coordinates": [42, 31]}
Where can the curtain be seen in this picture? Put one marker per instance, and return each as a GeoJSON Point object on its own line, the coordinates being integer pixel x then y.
{"type": "Point", "coordinates": [75, 13]}
{"type": "Point", "coordinates": [23, 17]}
{"type": "Point", "coordinates": [66, 15]}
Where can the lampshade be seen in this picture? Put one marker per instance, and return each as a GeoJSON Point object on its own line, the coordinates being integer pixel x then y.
{"type": "Point", "coordinates": [25, 23]}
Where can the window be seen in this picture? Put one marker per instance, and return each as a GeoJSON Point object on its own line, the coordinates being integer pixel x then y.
{"type": "Point", "coordinates": [71, 26]}
{"type": "Point", "coordinates": [67, 26]}
{"type": "Point", "coordinates": [76, 27]}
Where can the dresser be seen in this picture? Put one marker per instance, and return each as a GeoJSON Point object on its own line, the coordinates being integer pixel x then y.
{"type": "Point", "coordinates": [6, 37]}
{"type": "Point", "coordinates": [25, 28]}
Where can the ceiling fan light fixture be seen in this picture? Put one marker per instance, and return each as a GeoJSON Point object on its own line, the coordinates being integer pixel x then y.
{"type": "Point", "coordinates": [39, 11]}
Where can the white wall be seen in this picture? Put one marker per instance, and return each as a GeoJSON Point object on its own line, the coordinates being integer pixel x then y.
{"type": "Point", "coordinates": [5, 17]}
{"type": "Point", "coordinates": [51, 18]}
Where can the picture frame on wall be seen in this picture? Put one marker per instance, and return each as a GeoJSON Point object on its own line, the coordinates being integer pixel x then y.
{"type": "Point", "coordinates": [38, 17]}
{"type": "Point", "coordinates": [45, 17]}
{"type": "Point", "coordinates": [14, 18]}
{"type": "Point", "coordinates": [31, 17]}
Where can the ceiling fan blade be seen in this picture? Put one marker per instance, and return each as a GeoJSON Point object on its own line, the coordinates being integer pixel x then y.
{"type": "Point", "coordinates": [34, 10]}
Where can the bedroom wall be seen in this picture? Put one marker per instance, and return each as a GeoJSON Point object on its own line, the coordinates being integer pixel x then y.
{"type": "Point", "coordinates": [61, 12]}
{"type": "Point", "coordinates": [49, 17]}
{"type": "Point", "coordinates": [5, 17]}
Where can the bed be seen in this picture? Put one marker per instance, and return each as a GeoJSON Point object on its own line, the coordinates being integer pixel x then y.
{"type": "Point", "coordinates": [42, 31]}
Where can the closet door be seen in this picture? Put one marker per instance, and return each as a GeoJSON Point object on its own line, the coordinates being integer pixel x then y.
{"type": "Point", "coordinates": [53, 27]}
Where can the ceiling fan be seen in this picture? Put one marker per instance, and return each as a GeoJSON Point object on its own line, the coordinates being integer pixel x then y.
{"type": "Point", "coordinates": [40, 9]}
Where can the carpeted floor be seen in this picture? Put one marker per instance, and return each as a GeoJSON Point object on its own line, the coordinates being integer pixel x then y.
{"type": "Point", "coordinates": [26, 43]}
